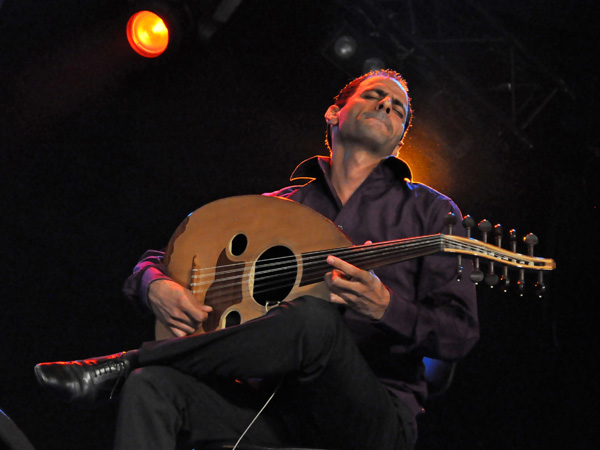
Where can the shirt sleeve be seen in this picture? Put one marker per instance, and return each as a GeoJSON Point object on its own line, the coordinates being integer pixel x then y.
{"type": "Point", "coordinates": [441, 321]}
{"type": "Point", "coordinates": [150, 268]}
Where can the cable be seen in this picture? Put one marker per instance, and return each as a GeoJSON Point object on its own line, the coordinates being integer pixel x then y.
{"type": "Point", "coordinates": [259, 413]}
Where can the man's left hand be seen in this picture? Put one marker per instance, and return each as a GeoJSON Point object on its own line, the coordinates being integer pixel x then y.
{"type": "Point", "coordinates": [356, 288]}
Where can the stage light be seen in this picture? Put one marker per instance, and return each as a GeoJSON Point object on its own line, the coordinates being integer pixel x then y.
{"type": "Point", "coordinates": [355, 52]}
{"type": "Point", "coordinates": [147, 34]}
{"type": "Point", "coordinates": [345, 47]}
{"type": "Point", "coordinates": [373, 63]}
{"type": "Point", "coordinates": [158, 27]}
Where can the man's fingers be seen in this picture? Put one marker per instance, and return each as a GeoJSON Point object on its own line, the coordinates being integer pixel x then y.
{"type": "Point", "coordinates": [176, 307]}
{"type": "Point", "coordinates": [342, 265]}
{"type": "Point", "coordinates": [348, 271]}
{"type": "Point", "coordinates": [179, 333]}
{"type": "Point", "coordinates": [340, 289]}
{"type": "Point", "coordinates": [190, 307]}
{"type": "Point", "coordinates": [196, 313]}
{"type": "Point", "coordinates": [184, 324]}
{"type": "Point", "coordinates": [340, 282]}
{"type": "Point", "coordinates": [334, 298]}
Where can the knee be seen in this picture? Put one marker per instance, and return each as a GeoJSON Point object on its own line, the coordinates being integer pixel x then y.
{"type": "Point", "coordinates": [313, 319]}
{"type": "Point", "coordinates": [319, 325]}
{"type": "Point", "coordinates": [315, 313]}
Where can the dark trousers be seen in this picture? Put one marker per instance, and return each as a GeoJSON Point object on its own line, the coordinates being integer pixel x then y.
{"type": "Point", "coordinates": [329, 396]}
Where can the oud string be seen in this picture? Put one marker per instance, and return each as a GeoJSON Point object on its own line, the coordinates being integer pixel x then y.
{"type": "Point", "coordinates": [276, 271]}
{"type": "Point", "coordinates": [311, 258]}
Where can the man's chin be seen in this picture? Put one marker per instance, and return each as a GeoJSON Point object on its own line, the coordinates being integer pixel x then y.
{"type": "Point", "coordinates": [382, 151]}
{"type": "Point", "coordinates": [381, 145]}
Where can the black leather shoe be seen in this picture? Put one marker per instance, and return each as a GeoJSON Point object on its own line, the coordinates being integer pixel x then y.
{"type": "Point", "coordinates": [87, 380]}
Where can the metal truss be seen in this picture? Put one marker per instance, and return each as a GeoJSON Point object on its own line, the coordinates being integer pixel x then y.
{"type": "Point", "coordinates": [464, 55]}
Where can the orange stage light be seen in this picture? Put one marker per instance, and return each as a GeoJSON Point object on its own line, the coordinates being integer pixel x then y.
{"type": "Point", "coordinates": [147, 34]}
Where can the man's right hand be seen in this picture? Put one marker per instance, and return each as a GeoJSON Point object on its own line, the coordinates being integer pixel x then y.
{"type": "Point", "coordinates": [176, 307]}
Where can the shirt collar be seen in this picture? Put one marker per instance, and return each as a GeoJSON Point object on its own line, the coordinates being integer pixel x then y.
{"type": "Point", "coordinates": [318, 166]}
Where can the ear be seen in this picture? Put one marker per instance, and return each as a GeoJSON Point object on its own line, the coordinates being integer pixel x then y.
{"type": "Point", "coordinates": [331, 115]}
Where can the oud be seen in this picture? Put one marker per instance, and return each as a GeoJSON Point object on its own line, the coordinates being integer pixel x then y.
{"type": "Point", "coordinates": [244, 255]}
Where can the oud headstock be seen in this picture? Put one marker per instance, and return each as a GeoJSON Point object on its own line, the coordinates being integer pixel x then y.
{"type": "Point", "coordinates": [494, 254]}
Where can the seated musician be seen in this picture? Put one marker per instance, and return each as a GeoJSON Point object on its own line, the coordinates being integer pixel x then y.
{"type": "Point", "coordinates": [346, 371]}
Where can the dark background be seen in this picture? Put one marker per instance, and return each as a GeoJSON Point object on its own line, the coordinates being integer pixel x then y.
{"type": "Point", "coordinates": [104, 153]}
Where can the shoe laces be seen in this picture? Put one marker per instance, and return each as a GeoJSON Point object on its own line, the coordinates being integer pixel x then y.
{"type": "Point", "coordinates": [113, 366]}
{"type": "Point", "coordinates": [116, 366]}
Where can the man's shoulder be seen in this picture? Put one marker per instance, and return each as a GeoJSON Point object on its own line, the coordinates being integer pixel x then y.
{"type": "Point", "coordinates": [432, 200]}
{"type": "Point", "coordinates": [420, 189]}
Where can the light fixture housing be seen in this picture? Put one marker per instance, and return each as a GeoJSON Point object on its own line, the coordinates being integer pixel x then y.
{"type": "Point", "coordinates": [147, 33]}
{"type": "Point", "coordinates": [157, 28]}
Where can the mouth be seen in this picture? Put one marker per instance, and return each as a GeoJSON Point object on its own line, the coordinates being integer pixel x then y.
{"type": "Point", "coordinates": [381, 120]}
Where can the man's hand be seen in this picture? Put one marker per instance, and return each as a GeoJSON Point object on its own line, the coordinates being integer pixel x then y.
{"type": "Point", "coordinates": [356, 288]}
{"type": "Point", "coordinates": [176, 307]}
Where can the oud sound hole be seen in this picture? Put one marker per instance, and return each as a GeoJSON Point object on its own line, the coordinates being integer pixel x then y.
{"type": "Point", "coordinates": [239, 244]}
{"type": "Point", "coordinates": [275, 274]}
{"type": "Point", "coordinates": [233, 318]}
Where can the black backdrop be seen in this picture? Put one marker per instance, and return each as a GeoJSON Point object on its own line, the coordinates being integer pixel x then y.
{"type": "Point", "coordinates": [104, 154]}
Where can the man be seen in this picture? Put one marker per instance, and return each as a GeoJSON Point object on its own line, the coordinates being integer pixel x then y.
{"type": "Point", "coordinates": [348, 373]}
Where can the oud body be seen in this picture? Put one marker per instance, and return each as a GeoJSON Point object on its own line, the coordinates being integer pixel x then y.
{"type": "Point", "coordinates": [226, 242]}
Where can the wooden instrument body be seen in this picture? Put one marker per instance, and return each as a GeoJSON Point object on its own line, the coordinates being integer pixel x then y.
{"type": "Point", "coordinates": [209, 238]}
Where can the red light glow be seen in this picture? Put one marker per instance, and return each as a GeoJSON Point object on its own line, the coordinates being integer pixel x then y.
{"type": "Point", "coordinates": [147, 34]}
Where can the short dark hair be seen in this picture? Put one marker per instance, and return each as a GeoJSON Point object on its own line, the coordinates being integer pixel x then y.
{"type": "Point", "coordinates": [347, 91]}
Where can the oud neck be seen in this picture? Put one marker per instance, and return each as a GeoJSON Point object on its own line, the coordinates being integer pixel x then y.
{"type": "Point", "coordinates": [370, 256]}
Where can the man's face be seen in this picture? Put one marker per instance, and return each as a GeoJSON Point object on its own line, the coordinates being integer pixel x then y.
{"type": "Point", "coordinates": [374, 116]}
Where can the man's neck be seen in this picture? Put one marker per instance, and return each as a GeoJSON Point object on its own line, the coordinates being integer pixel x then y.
{"type": "Point", "coordinates": [349, 169]}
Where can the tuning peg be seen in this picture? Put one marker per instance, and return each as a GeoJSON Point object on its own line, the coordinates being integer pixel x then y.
{"type": "Point", "coordinates": [513, 248]}
{"type": "Point", "coordinates": [491, 279]}
{"type": "Point", "coordinates": [498, 239]}
{"type": "Point", "coordinates": [450, 220]}
{"type": "Point", "coordinates": [459, 268]}
{"type": "Point", "coordinates": [498, 234]}
{"type": "Point", "coordinates": [485, 226]}
{"type": "Point", "coordinates": [531, 240]}
{"type": "Point", "coordinates": [513, 240]}
{"type": "Point", "coordinates": [521, 282]}
{"type": "Point", "coordinates": [468, 223]}
{"type": "Point", "coordinates": [504, 279]}
{"type": "Point", "coordinates": [477, 275]}
{"type": "Point", "coordinates": [540, 287]}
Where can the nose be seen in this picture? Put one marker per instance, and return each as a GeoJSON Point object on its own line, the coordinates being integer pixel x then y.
{"type": "Point", "coordinates": [386, 104]}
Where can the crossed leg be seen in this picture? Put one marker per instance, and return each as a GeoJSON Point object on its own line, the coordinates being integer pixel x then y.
{"type": "Point", "coordinates": [330, 397]}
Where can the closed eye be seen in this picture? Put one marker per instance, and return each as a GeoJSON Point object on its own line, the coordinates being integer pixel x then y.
{"type": "Point", "coordinates": [377, 94]}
